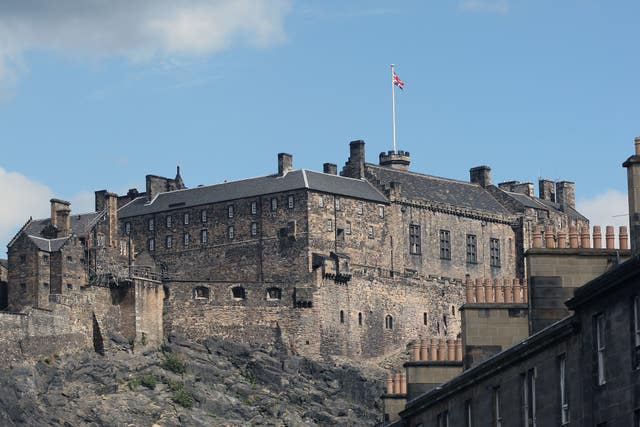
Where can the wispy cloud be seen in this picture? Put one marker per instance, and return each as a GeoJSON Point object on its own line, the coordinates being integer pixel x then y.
{"type": "Point", "coordinates": [608, 208]}
{"type": "Point", "coordinates": [139, 30]}
{"type": "Point", "coordinates": [500, 7]}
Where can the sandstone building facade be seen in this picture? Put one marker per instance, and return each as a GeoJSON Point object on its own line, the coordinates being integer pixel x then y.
{"type": "Point", "coordinates": [354, 265]}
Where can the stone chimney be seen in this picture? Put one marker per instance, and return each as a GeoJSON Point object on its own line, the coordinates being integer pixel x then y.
{"type": "Point", "coordinates": [354, 167]}
{"type": "Point", "coordinates": [507, 185]}
{"type": "Point", "coordinates": [285, 163]}
{"type": "Point", "coordinates": [61, 217]}
{"type": "Point", "coordinates": [109, 227]}
{"type": "Point", "coordinates": [395, 159]}
{"type": "Point", "coordinates": [633, 188]}
{"type": "Point", "coordinates": [525, 188]}
{"type": "Point", "coordinates": [330, 168]}
{"type": "Point", "coordinates": [566, 194]}
{"type": "Point", "coordinates": [480, 175]}
{"type": "Point", "coordinates": [547, 190]}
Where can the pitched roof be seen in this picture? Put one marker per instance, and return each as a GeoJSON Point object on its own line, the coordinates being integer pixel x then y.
{"type": "Point", "coordinates": [439, 190]}
{"type": "Point", "coordinates": [252, 187]}
{"type": "Point", "coordinates": [537, 203]}
{"type": "Point", "coordinates": [78, 224]}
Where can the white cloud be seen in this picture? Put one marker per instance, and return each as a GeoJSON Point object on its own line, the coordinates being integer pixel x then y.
{"type": "Point", "coordinates": [500, 7]}
{"type": "Point", "coordinates": [608, 208]}
{"type": "Point", "coordinates": [138, 30]}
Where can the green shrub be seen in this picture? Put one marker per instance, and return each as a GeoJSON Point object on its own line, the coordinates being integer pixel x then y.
{"type": "Point", "coordinates": [134, 383]}
{"type": "Point", "coordinates": [183, 398]}
{"type": "Point", "coordinates": [149, 381]}
{"type": "Point", "coordinates": [47, 360]}
{"type": "Point", "coordinates": [174, 385]}
{"type": "Point", "coordinates": [174, 364]}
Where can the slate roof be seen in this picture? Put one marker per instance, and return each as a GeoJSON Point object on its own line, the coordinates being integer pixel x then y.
{"type": "Point", "coordinates": [537, 203]}
{"type": "Point", "coordinates": [78, 224]}
{"type": "Point", "coordinates": [251, 187]}
{"type": "Point", "coordinates": [439, 190]}
{"type": "Point", "coordinates": [49, 245]}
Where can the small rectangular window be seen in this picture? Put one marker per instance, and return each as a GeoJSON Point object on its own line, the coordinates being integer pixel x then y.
{"type": "Point", "coordinates": [151, 244]}
{"type": "Point", "coordinates": [69, 259]}
{"type": "Point", "coordinates": [347, 228]}
{"type": "Point", "coordinates": [187, 239]}
{"type": "Point", "coordinates": [636, 331]}
{"type": "Point", "coordinates": [321, 202]}
{"type": "Point", "coordinates": [445, 244]}
{"type": "Point", "coordinates": [564, 401]}
{"type": "Point", "coordinates": [203, 216]}
{"type": "Point", "coordinates": [45, 259]}
{"type": "Point", "coordinates": [231, 232]}
{"type": "Point", "coordinates": [169, 221]}
{"type": "Point", "coordinates": [290, 202]}
{"type": "Point", "coordinates": [70, 286]}
{"type": "Point", "coordinates": [494, 251]}
{"type": "Point", "coordinates": [329, 225]}
{"type": "Point", "coordinates": [600, 341]}
{"type": "Point", "coordinates": [497, 408]}
{"type": "Point", "coordinates": [254, 208]}
{"type": "Point", "coordinates": [528, 384]}
{"type": "Point", "coordinates": [230, 211]}
{"type": "Point", "coordinates": [254, 229]}
{"type": "Point", "coordinates": [337, 204]}
{"type": "Point", "coordinates": [203, 236]}
{"type": "Point", "coordinates": [127, 228]}
{"type": "Point", "coordinates": [274, 204]}
{"type": "Point", "coordinates": [381, 211]}
{"type": "Point", "coordinates": [370, 232]}
{"type": "Point", "coordinates": [472, 249]}
{"type": "Point", "coordinates": [185, 218]}
{"type": "Point", "coordinates": [414, 240]}
{"type": "Point", "coordinates": [168, 241]}
{"type": "Point", "coordinates": [151, 224]}
{"type": "Point", "coordinates": [360, 208]}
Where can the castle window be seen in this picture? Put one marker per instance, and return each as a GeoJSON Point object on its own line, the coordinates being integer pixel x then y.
{"type": "Point", "coordinates": [151, 244]}
{"type": "Point", "coordinates": [203, 216]}
{"type": "Point", "coordinates": [564, 399]}
{"type": "Point", "coordinates": [274, 204]}
{"type": "Point", "coordinates": [370, 232]}
{"type": "Point", "coordinates": [230, 211]}
{"type": "Point", "coordinates": [70, 286]}
{"type": "Point", "coordinates": [100, 240]}
{"type": "Point", "coordinates": [497, 408]}
{"type": "Point", "coordinates": [340, 234]}
{"type": "Point", "coordinates": [45, 259]}
{"type": "Point", "coordinates": [347, 228]}
{"type": "Point", "coordinates": [381, 211]}
{"type": "Point", "coordinates": [290, 202]}
{"type": "Point", "coordinates": [238, 292]}
{"type": "Point", "coordinates": [360, 208]}
{"type": "Point", "coordinates": [254, 228]}
{"type": "Point", "coordinates": [45, 285]}
{"type": "Point", "coordinates": [337, 204]}
{"type": "Point", "coordinates": [151, 224]}
{"type": "Point", "coordinates": [329, 225]}
{"type": "Point", "coordinates": [231, 232]}
{"type": "Point", "coordinates": [472, 249]}
{"type": "Point", "coordinates": [185, 218]}
{"type": "Point", "coordinates": [254, 208]}
{"type": "Point", "coordinates": [445, 244]}
{"type": "Point", "coordinates": [359, 319]}
{"type": "Point", "coordinates": [23, 287]}
{"type": "Point", "coordinates": [169, 221]}
{"type": "Point", "coordinates": [203, 236]}
{"type": "Point", "coordinates": [187, 239]}
{"type": "Point", "coordinates": [414, 239]}
{"type": "Point", "coordinates": [168, 242]}
{"type": "Point", "coordinates": [494, 251]}
{"type": "Point", "coordinates": [321, 202]}
{"type": "Point", "coordinates": [444, 320]}
{"type": "Point", "coordinates": [453, 310]}
{"type": "Point", "coordinates": [201, 292]}
{"type": "Point", "coordinates": [127, 228]}
{"type": "Point", "coordinates": [425, 318]}
{"type": "Point", "coordinates": [274, 294]}
{"type": "Point", "coordinates": [388, 322]}
{"type": "Point", "coordinates": [69, 259]}
{"type": "Point", "coordinates": [124, 247]}
{"type": "Point", "coordinates": [341, 316]}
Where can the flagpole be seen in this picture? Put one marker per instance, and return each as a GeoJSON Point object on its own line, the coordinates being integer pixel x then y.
{"type": "Point", "coordinates": [393, 108]}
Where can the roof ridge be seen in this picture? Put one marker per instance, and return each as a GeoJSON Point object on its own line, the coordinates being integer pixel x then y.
{"type": "Point", "coordinates": [424, 175]}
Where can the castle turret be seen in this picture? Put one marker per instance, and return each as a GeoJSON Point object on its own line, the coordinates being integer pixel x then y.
{"type": "Point", "coordinates": [395, 159]}
{"type": "Point", "coordinates": [633, 188]}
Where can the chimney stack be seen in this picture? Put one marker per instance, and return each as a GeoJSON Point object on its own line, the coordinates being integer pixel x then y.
{"type": "Point", "coordinates": [330, 168]}
{"type": "Point", "coordinates": [480, 175]}
{"type": "Point", "coordinates": [61, 216]}
{"type": "Point", "coordinates": [109, 202]}
{"type": "Point", "coordinates": [354, 167]}
{"type": "Point", "coordinates": [566, 194]}
{"type": "Point", "coordinates": [285, 163]}
{"type": "Point", "coordinates": [633, 188]}
{"type": "Point", "coordinates": [547, 190]}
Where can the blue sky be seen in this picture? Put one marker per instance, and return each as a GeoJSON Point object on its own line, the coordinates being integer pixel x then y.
{"type": "Point", "coordinates": [96, 95]}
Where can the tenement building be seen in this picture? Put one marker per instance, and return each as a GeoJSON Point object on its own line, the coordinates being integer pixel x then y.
{"type": "Point", "coordinates": [568, 354]}
{"type": "Point", "coordinates": [356, 265]}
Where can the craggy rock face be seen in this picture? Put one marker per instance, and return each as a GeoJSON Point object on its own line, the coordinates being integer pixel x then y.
{"type": "Point", "coordinates": [224, 382]}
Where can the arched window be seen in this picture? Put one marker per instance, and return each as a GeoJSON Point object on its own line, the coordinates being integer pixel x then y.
{"type": "Point", "coordinates": [274, 293]}
{"type": "Point", "coordinates": [201, 292]}
{"type": "Point", "coordinates": [341, 316]}
{"type": "Point", "coordinates": [239, 292]}
{"type": "Point", "coordinates": [425, 318]}
{"type": "Point", "coordinates": [388, 322]}
{"type": "Point", "coordinates": [359, 319]}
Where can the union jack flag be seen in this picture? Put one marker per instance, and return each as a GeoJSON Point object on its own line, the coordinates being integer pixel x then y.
{"type": "Point", "coordinates": [397, 81]}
